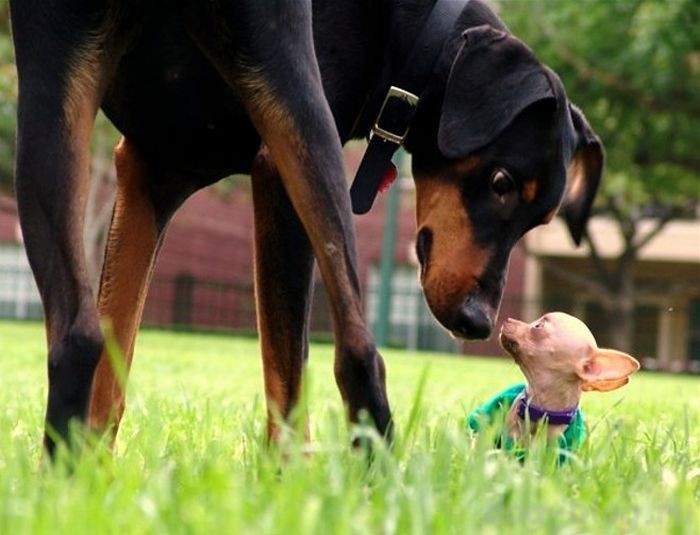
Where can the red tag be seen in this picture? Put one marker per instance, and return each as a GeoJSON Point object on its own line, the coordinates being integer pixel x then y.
{"type": "Point", "coordinates": [389, 176]}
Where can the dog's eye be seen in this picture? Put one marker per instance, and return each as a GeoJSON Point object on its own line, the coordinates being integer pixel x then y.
{"type": "Point", "coordinates": [501, 182]}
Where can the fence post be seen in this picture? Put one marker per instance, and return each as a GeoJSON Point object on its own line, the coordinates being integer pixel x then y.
{"type": "Point", "coordinates": [183, 301]}
{"type": "Point", "coordinates": [386, 269]}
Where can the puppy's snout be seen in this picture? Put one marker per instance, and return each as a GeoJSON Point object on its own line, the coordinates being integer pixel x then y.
{"type": "Point", "coordinates": [508, 337]}
{"type": "Point", "coordinates": [508, 327]}
{"type": "Point", "coordinates": [510, 345]}
{"type": "Point", "coordinates": [507, 323]}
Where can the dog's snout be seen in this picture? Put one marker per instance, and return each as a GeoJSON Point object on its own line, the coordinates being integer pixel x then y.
{"type": "Point", "coordinates": [472, 321]}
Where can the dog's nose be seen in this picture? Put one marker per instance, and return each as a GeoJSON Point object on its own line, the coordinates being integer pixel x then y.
{"type": "Point", "coordinates": [472, 321]}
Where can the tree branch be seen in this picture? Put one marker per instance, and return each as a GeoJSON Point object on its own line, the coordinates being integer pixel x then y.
{"type": "Point", "coordinates": [661, 222]}
{"type": "Point", "coordinates": [596, 259]}
{"type": "Point", "coordinates": [612, 81]}
{"type": "Point", "coordinates": [567, 275]}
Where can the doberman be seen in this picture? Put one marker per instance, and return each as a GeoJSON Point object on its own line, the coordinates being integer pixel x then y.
{"type": "Point", "coordinates": [204, 89]}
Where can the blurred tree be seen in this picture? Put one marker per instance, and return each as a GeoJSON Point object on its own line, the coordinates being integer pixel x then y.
{"type": "Point", "coordinates": [100, 202]}
{"type": "Point", "coordinates": [633, 66]}
{"type": "Point", "coordinates": [8, 100]}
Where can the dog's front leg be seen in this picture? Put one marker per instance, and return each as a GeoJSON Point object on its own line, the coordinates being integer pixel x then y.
{"type": "Point", "coordinates": [265, 52]}
{"type": "Point", "coordinates": [283, 270]}
{"type": "Point", "coordinates": [62, 71]}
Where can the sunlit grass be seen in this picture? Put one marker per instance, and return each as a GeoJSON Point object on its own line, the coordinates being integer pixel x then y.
{"type": "Point", "coordinates": [191, 456]}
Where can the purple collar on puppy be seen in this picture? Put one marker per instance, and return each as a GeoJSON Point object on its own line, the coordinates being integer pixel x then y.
{"type": "Point", "coordinates": [536, 413]}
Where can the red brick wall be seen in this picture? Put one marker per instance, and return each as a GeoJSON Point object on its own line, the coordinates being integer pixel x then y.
{"type": "Point", "coordinates": [209, 240]}
{"type": "Point", "coordinates": [210, 237]}
{"type": "Point", "coordinates": [8, 220]}
{"type": "Point", "coordinates": [370, 230]}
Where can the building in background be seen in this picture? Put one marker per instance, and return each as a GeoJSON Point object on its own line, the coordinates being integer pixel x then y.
{"type": "Point", "coordinates": [667, 274]}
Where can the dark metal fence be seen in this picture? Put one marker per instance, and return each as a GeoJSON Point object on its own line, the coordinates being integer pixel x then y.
{"type": "Point", "coordinates": [185, 302]}
{"type": "Point", "coordinates": [188, 303]}
{"type": "Point", "coordinates": [664, 338]}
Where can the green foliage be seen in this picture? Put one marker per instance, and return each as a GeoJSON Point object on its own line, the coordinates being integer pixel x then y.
{"type": "Point", "coordinates": [8, 100]}
{"type": "Point", "coordinates": [191, 457]}
{"type": "Point", "coordinates": [633, 66]}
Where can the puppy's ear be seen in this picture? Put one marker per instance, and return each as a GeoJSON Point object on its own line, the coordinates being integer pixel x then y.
{"type": "Point", "coordinates": [583, 175]}
{"type": "Point", "coordinates": [493, 78]}
{"type": "Point", "coordinates": [605, 386]}
{"type": "Point", "coordinates": [606, 369]}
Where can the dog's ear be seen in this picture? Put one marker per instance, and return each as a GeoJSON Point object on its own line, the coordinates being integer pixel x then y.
{"type": "Point", "coordinates": [493, 78]}
{"type": "Point", "coordinates": [606, 369]}
{"type": "Point", "coordinates": [583, 175]}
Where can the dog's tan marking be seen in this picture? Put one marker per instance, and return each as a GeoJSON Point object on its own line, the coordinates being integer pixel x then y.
{"type": "Point", "coordinates": [455, 262]}
{"type": "Point", "coordinates": [576, 180]}
{"type": "Point", "coordinates": [129, 257]}
{"type": "Point", "coordinates": [83, 78]}
{"type": "Point", "coordinates": [264, 106]}
{"type": "Point", "coordinates": [466, 165]}
{"type": "Point", "coordinates": [530, 190]}
{"type": "Point", "coordinates": [277, 127]}
{"type": "Point", "coordinates": [549, 216]}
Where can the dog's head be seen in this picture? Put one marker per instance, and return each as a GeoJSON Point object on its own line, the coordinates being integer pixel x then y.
{"type": "Point", "coordinates": [497, 150]}
{"type": "Point", "coordinates": [559, 349]}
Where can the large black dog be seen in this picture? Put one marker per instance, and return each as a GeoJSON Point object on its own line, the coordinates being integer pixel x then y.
{"type": "Point", "coordinates": [201, 89]}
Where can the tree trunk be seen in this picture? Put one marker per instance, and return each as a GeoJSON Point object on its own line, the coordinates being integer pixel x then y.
{"type": "Point", "coordinates": [98, 214]}
{"type": "Point", "coordinates": [620, 308]}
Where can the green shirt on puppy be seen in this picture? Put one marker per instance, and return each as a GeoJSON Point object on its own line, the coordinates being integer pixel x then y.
{"type": "Point", "coordinates": [493, 413]}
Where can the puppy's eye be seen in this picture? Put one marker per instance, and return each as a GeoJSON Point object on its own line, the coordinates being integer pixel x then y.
{"type": "Point", "coordinates": [539, 325]}
{"type": "Point", "coordinates": [501, 182]}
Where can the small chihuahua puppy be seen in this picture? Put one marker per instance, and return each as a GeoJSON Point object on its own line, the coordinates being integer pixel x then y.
{"type": "Point", "coordinates": [560, 359]}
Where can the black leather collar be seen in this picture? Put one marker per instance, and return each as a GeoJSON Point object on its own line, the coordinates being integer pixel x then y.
{"type": "Point", "coordinates": [400, 103]}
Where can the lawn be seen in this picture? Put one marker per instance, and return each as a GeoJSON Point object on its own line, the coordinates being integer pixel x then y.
{"type": "Point", "coordinates": [191, 455]}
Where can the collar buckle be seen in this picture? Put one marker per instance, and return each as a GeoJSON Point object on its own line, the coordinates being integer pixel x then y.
{"type": "Point", "coordinates": [399, 106]}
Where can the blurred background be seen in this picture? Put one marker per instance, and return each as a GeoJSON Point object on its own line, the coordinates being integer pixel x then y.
{"type": "Point", "coordinates": [633, 66]}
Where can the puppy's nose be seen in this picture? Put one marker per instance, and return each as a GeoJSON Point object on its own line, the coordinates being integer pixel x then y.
{"type": "Point", "coordinates": [472, 321]}
{"type": "Point", "coordinates": [507, 324]}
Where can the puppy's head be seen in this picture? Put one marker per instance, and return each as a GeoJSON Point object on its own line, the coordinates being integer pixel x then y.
{"type": "Point", "coordinates": [559, 347]}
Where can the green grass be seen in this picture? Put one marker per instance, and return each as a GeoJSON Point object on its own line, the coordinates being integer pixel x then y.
{"type": "Point", "coordinates": [191, 457]}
